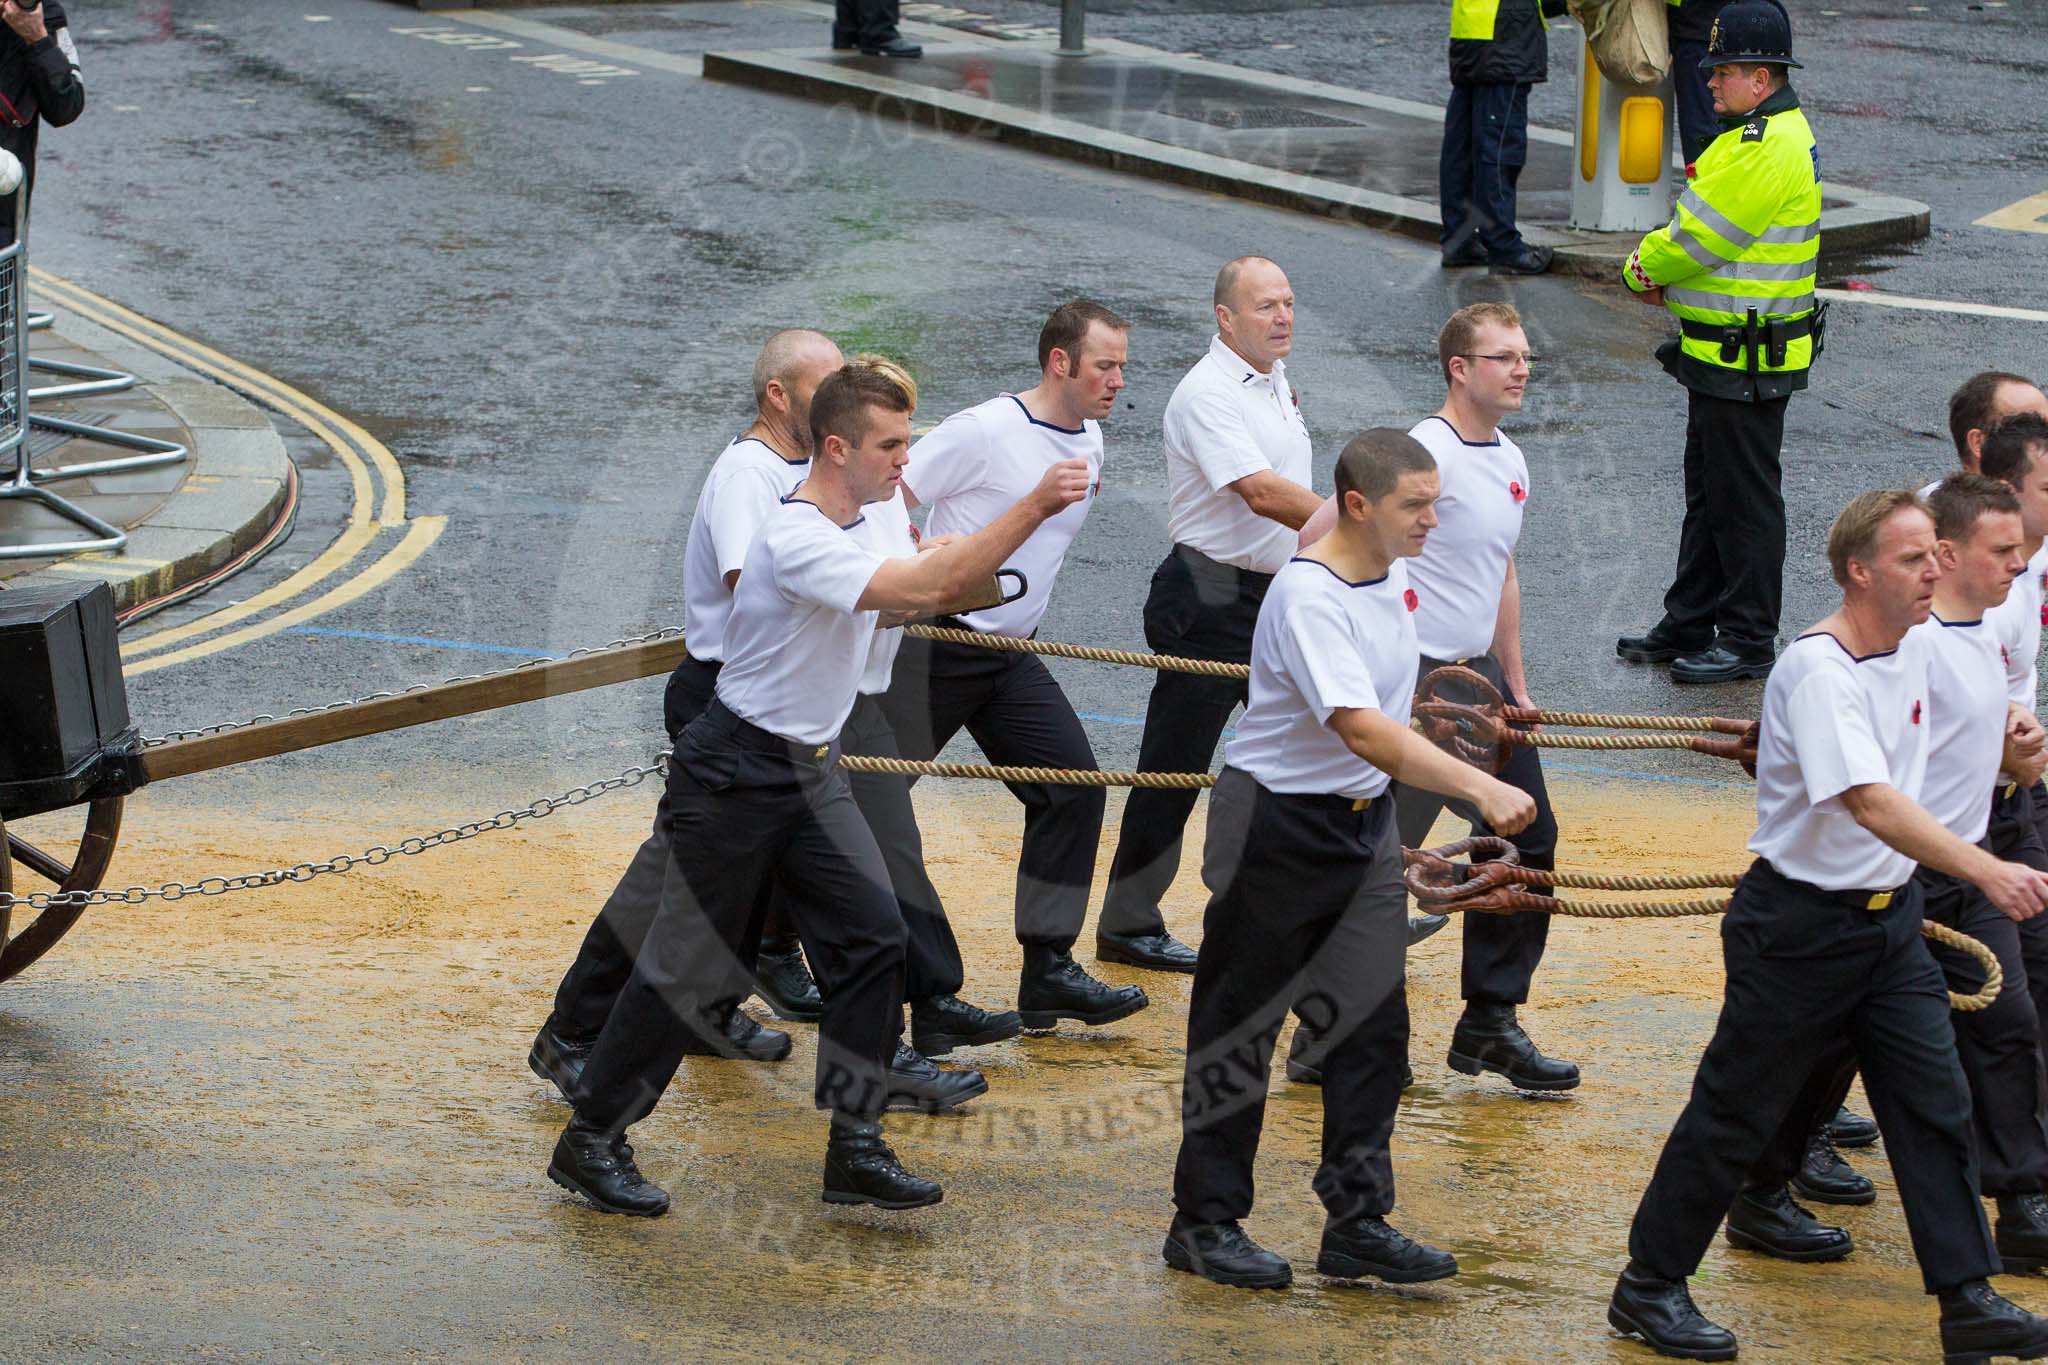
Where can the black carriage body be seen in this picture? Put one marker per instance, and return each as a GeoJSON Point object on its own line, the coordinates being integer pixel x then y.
{"type": "Point", "coordinates": [65, 736]}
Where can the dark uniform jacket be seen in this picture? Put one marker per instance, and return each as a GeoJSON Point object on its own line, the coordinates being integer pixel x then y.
{"type": "Point", "coordinates": [1517, 54]}
{"type": "Point", "coordinates": [39, 83]}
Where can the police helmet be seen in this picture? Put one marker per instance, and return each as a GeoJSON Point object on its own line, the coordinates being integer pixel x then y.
{"type": "Point", "coordinates": [1750, 31]}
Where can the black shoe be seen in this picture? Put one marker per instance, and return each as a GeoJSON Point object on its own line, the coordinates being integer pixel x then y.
{"type": "Point", "coordinates": [1657, 647]}
{"type": "Point", "coordinates": [1827, 1179]}
{"type": "Point", "coordinates": [1160, 952]}
{"type": "Point", "coordinates": [1053, 987]}
{"type": "Point", "coordinates": [1851, 1130]}
{"type": "Point", "coordinates": [1768, 1220]}
{"type": "Point", "coordinates": [2022, 1232]}
{"type": "Point", "coordinates": [1524, 260]}
{"type": "Point", "coordinates": [1304, 1072]}
{"type": "Point", "coordinates": [1977, 1325]}
{"type": "Point", "coordinates": [917, 1086]}
{"type": "Point", "coordinates": [1660, 1314]}
{"type": "Point", "coordinates": [860, 1169]}
{"type": "Point", "coordinates": [784, 982]}
{"type": "Point", "coordinates": [894, 47]}
{"type": "Point", "coordinates": [1487, 1038]}
{"type": "Point", "coordinates": [1223, 1253]}
{"type": "Point", "coordinates": [1471, 253]}
{"type": "Point", "coordinates": [599, 1166]}
{"type": "Point", "coordinates": [557, 1058]}
{"type": "Point", "coordinates": [740, 1039]}
{"type": "Point", "coordinates": [1421, 927]}
{"type": "Point", "coordinates": [940, 1023]}
{"type": "Point", "coordinates": [1356, 1247]}
{"type": "Point", "coordinates": [1720, 664]}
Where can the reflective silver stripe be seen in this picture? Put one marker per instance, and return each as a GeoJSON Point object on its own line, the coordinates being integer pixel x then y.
{"type": "Point", "coordinates": [1770, 270]}
{"type": "Point", "coordinates": [1698, 250]}
{"type": "Point", "coordinates": [1739, 304]}
{"type": "Point", "coordinates": [1714, 218]}
{"type": "Point", "coordinates": [1790, 236]}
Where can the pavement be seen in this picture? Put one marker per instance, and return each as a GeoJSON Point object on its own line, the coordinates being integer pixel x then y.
{"type": "Point", "coordinates": [184, 520]}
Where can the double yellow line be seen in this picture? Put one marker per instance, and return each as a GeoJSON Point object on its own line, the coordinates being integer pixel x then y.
{"type": "Point", "coordinates": [371, 469]}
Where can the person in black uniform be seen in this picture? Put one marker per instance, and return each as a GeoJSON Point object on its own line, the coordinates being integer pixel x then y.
{"type": "Point", "coordinates": [870, 25]}
{"type": "Point", "coordinates": [1691, 21]}
{"type": "Point", "coordinates": [1499, 50]}
{"type": "Point", "coordinates": [39, 83]}
{"type": "Point", "coordinates": [1822, 942]}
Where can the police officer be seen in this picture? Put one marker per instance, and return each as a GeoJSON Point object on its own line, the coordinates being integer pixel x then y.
{"type": "Point", "coordinates": [1499, 50]}
{"type": "Point", "coordinates": [1822, 942]}
{"type": "Point", "coordinates": [1736, 267]}
{"type": "Point", "coordinates": [1237, 473]}
{"type": "Point", "coordinates": [39, 83]}
{"type": "Point", "coordinates": [1304, 872]}
{"type": "Point", "coordinates": [870, 25]}
{"type": "Point", "coordinates": [755, 789]}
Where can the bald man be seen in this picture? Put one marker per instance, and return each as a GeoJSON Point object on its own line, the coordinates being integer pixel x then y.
{"type": "Point", "coordinates": [1237, 475]}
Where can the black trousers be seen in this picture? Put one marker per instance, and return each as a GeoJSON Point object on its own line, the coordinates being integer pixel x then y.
{"type": "Point", "coordinates": [746, 807]}
{"type": "Point", "coordinates": [1306, 904]}
{"type": "Point", "coordinates": [1197, 609]}
{"type": "Point", "coordinates": [1486, 143]}
{"type": "Point", "coordinates": [2019, 831]}
{"type": "Point", "coordinates": [1731, 550]}
{"type": "Point", "coordinates": [1501, 951]}
{"type": "Point", "coordinates": [1803, 969]}
{"type": "Point", "coordinates": [1698, 124]}
{"type": "Point", "coordinates": [1017, 714]}
{"type": "Point", "coordinates": [932, 964]}
{"type": "Point", "coordinates": [865, 21]}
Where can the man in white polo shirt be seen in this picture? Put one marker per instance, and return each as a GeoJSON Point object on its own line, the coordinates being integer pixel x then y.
{"type": "Point", "coordinates": [968, 471]}
{"type": "Point", "coordinates": [1237, 476]}
{"type": "Point", "coordinates": [1822, 941]}
{"type": "Point", "coordinates": [1306, 897]}
{"type": "Point", "coordinates": [755, 789]}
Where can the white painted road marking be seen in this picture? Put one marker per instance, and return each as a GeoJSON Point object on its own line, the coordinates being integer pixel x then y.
{"type": "Point", "coordinates": [1979, 310]}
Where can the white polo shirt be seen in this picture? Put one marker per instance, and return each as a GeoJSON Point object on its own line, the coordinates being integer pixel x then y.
{"type": "Point", "coordinates": [1322, 643]}
{"type": "Point", "coordinates": [1832, 722]}
{"type": "Point", "coordinates": [1463, 567]}
{"type": "Point", "coordinates": [1224, 422]}
{"type": "Point", "coordinates": [886, 529]}
{"type": "Point", "coordinates": [1965, 723]}
{"type": "Point", "coordinates": [795, 646]}
{"type": "Point", "coordinates": [977, 465]}
{"type": "Point", "coordinates": [745, 483]}
{"type": "Point", "coordinates": [2018, 621]}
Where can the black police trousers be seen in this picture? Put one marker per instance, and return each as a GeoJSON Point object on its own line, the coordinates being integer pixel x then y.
{"type": "Point", "coordinates": [1306, 905]}
{"type": "Point", "coordinates": [1501, 951]}
{"type": "Point", "coordinates": [1017, 714]}
{"type": "Point", "coordinates": [745, 806]}
{"type": "Point", "coordinates": [1731, 549]}
{"type": "Point", "coordinates": [873, 22]}
{"type": "Point", "coordinates": [1804, 968]}
{"type": "Point", "coordinates": [2019, 833]}
{"type": "Point", "coordinates": [932, 964]}
{"type": "Point", "coordinates": [1197, 609]}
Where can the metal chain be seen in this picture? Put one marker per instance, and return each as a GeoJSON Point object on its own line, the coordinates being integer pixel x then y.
{"type": "Point", "coordinates": [375, 856]}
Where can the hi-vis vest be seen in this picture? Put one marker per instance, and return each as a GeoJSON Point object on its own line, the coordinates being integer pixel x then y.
{"type": "Point", "coordinates": [1746, 235]}
{"type": "Point", "coordinates": [1475, 19]}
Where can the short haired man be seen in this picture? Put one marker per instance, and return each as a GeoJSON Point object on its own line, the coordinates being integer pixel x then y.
{"type": "Point", "coordinates": [968, 471]}
{"type": "Point", "coordinates": [1304, 873]}
{"type": "Point", "coordinates": [1237, 472]}
{"type": "Point", "coordinates": [1822, 941]}
{"type": "Point", "coordinates": [1984, 400]}
{"type": "Point", "coordinates": [755, 789]}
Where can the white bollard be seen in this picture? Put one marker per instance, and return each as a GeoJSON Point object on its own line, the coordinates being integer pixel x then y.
{"type": "Point", "coordinates": [1621, 153]}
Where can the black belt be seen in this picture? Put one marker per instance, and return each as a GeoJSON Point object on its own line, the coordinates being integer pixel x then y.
{"type": "Point", "coordinates": [1188, 554]}
{"type": "Point", "coordinates": [721, 718]}
{"type": "Point", "coordinates": [1855, 900]}
{"type": "Point", "coordinates": [1771, 335]}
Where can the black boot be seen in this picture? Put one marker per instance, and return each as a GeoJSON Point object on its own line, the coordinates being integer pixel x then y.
{"type": "Point", "coordinates": [1978, 1325]}
{"type": "Point", "coordinates": [1160, 952]}
{"type": "Point", "coordinates": [1659, 646]}
{"type": "Point", "coordinates": [1827, 1179]}
{"type": "Point", "coordinates": [895, 45]}
{"type": "Point", "coordinates": [1354, 1247]}
{"type": "Point", "coordinates": [1223, 1253]}
{"type": "Point", "coordinates": [1053, 987]}
{"type": "Point", "coordinates": [917, 1086]}
{"type": "Point", "coordinates": [1303, 1071]}
{"type": "Point", "coordinates": [1523, 260]}
{"type": "Point", "coordinates": [860, 1169]}
{"type": "Point", "coordinates": [2022, 1232]}
{"type": "Point", "coordinates": [598, 1165]}
{"type": "Point", "coordinates": [1767, 1220]}
{"type": "Point", "coordinates": [739, 1038]}
{"type": "Point", "coordinates": [1421, 927]}
{"type": "Point", "coordinates": [1660, 1314]}
{"type": "Point", "coordinates": [1487, 1038]}
{"type": "Point", "coordinates": [558, 1058]}
{"type": "Point", "coordinates": [1722, 664]}
{"type": "Point", "coordinates": [1847, 1130]}
{"type": "Point", "coordinates": [940, 1023]}
{"type": "Point", "coordinates": [782, 979]}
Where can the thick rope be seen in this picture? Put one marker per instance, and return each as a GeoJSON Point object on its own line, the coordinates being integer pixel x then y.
{"type": "Point", "coordinates": [1059, 650]}
{"type": "Point", "coordinates": [1589, 720]}
{"type": "Point", "coordinates": [989, 772]}
{"type": "Point", "coordinates": [1994, 975]}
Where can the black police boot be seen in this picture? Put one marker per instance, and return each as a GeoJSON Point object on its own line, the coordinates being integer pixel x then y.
{"type": "Point", "coordinates": [917, 1086]}
{"type": "Point", "coordinates": [1660, 1313]}
{"type": "Point", "coordinates": [940, 1023]}
{"type": "Point", "coordinates": [1053, 987]}
{"type": "Point", "coordinates": [2022, 1232]}
{"type": "Point", "coordinates": [1659, 646]}
{"type": "Point", "coordinates": [558, 1058]}
{"type": "Point", "coordinates": [1978, 1325]}
{"type": "Point", "coordinates": [1768, 1220]}
{"type": "Point", "coordinates": [1523, 260]}
{"type": "Point", "coordinates": [1421, 927]}
{"type": "Point", "coordinates": [1848, 1130]}
{"type": "Point", "coordinates": [738, 1038]}
{"type": "Point", "coordinates": [1355, 1247]}
{"type": "Point", "coordinates": [1827, 1179]}
{"type": "Point", "coordinates": [894, 46]}
{"type": "Point", "coordinates": [598, 1165]}
{"type": "Point", "coordinates": [860, 1169]}
{"type": "Point", "coordinates": [1487, 1038]}
{"type": "Point", "coordinates": [1223, 1253]}
{"type": "Point", "coordinates": [1722, 664]}
{"type": "Point", "coordinates": [782, 979]}
{"type": "Point", "coordinates": [1160, 952]}
{"type": "Point", "coordinates": [1469, 252]}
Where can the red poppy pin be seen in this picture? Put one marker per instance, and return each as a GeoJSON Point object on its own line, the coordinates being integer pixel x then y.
{"type": "Point", "coordinates": [2044, 613]}
{"type": "Point", "coordinates": [2005, 656]}
{"type": "Point", "coordinates": [1517, 492]}
{"type": "Point", "coordinates": [916, 536]}
{"type": "Point", "coordinates": [1916, 712]}
{"type": "Point", "coordinates": [1411, 599]}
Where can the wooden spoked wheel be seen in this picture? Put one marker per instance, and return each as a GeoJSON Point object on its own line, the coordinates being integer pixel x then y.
{"type": "Point", "coordinates": [82, 873]}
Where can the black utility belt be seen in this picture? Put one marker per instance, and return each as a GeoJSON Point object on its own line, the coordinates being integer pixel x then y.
{"type": "Point", "coordinates": [723, 720]}
{"type": "Point", "coordinates": [1881, 899]}
{"type": "Point", "coordinates": [1773, 336]}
